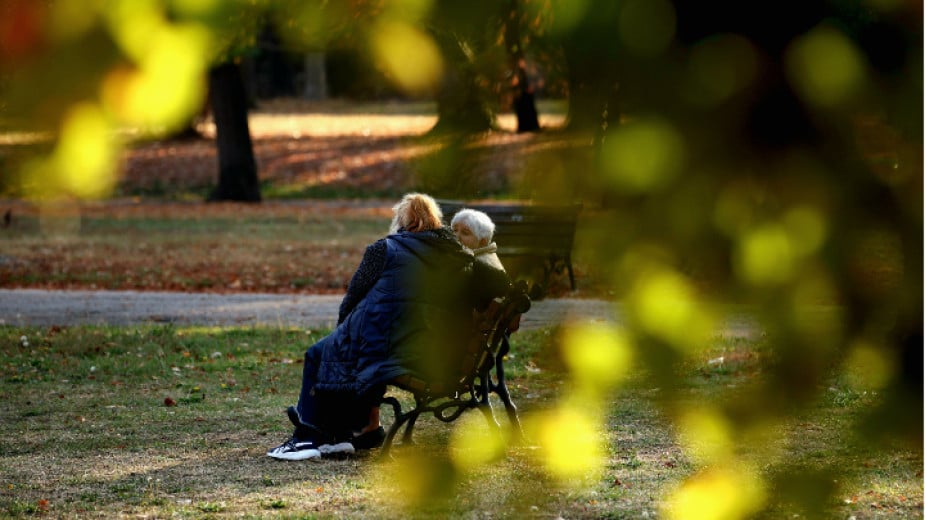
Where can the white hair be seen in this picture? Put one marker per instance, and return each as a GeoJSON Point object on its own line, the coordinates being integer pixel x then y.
{"type": "Point", "coordinates": [477, 221]}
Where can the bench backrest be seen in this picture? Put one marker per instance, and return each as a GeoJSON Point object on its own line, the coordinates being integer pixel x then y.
{"type": "Point", "coordinates": [493, 326]}
{"type": "Point", "coordinates": [526, 228]}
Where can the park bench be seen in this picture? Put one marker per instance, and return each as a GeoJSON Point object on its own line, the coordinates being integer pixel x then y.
{"type": "Point", "coordinates": [484, 354]}
{"type": "Point", "coordinates": [534, 240]}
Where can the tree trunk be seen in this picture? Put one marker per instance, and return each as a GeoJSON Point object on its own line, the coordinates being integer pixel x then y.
{"type": "Point", "coordinates": [593, 101]}
{"type": "Point", "coordinates": [237, 169]}
{"type": "Point", "coordinates": [460, 107]}
{"type": "Point", "coordinates": [524, 100]}
{"type": "Point", "coordinates": [595, 68]}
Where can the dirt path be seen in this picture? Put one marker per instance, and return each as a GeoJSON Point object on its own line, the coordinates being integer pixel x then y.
{"type": "Point", "coordinates": [46, 308]}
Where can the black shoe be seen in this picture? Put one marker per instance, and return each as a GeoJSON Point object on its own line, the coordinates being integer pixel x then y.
{"type": "Point", "coordinates": [324, 444]}
{"type": "Point", "coordinates": [369, 440]}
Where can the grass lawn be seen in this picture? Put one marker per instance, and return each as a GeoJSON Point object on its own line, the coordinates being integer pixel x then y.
{"type": "Point", "coordinates": [157, 422]}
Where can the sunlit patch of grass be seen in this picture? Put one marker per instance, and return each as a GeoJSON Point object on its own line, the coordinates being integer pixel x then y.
{"type": "Point", "coordinates": [282, 191]}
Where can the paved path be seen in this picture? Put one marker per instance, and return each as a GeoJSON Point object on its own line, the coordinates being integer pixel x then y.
{"type": "Point", "coordinates": [39, 307]}
{"type": "Point", "coordinates": [45, 308]}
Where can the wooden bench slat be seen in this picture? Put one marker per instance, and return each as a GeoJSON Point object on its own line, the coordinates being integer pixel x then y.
{"type": "Point", "coordinates": [543, 232]}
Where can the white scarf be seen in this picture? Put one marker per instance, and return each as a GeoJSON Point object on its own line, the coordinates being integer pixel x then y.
{"type": "Point", "coordinates": [487, 255]}
{"type": "Point", "coordinates": [490, 248]}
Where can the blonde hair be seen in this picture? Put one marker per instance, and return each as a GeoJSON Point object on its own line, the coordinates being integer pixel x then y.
{"type": "Point", "coordinates": [416, 212]}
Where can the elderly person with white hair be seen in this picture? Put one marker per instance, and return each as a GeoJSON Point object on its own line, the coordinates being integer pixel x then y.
{"type": "Point", "coordinates": [475, 229]}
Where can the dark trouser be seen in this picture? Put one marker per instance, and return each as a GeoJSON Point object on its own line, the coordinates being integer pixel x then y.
{"type": "Point", "coordinates": [330, 414]}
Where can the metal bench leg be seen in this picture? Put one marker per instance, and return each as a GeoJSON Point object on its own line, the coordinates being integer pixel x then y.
{"type": "Point", "coordinates": [504, 394]}
{"type": "Point", "coordinates": [511, 409]}
{"type": "Point", "coordinates": [413, 417]}
{"type": "Point", "coordinates": [485, 403]}
{"type": "Point", "coordinates": [398, 419]}
{"type": "Point", "coordinates": [408, 421]}
{"type": "Point", "coordinates": [387, 445]}
{"type": "Point", "coordinates": [402, 419]}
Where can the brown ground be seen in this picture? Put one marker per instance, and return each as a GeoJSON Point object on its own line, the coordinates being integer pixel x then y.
{"type": "Point", "coordinates": [358, 159]}
{"type": "Point", "coordinates": [305, 149]}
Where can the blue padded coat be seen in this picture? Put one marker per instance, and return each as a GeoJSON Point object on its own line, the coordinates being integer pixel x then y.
{"type": "Point", "coordinates": [414, 319]}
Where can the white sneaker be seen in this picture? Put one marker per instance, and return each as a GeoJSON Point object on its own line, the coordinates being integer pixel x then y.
{"type": "Point", "coordinates": [294, 449]}
{"type": "Point", "coordinates": [340, 447]}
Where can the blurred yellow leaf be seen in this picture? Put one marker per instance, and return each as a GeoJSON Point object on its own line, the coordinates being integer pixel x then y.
{"type": "Point", "coordinates": [806, 227]}
{"type": "Point", "coordinates": [598, 355]}
{"type": "Point", "coordinates": [85, 159]}
{"type": "Point", "coordinates": [706, 434]}
{"type": "Point", "coordinates": [566, 14]}
{"type": "Point", "coordinates": [642, 155]}
{"type": "Point", "coordinates": [766, 256]}
{"type": "Point", "coordinates": [134, 24]}
{"type": "Point", "coordinates": [868, 366]}
{"type": "Point", "coordinates": [721, 493]}
{"type": "Point", "coordinates": [664, 304]}
{"type": "Point", "coordinates": [825, 67]}
{"type": "Point", "coordinates": [409, 55]}
{"type": "Point", "coordinates": [473, 443]}
{"type": "Point", "coordinates": [571, 443]}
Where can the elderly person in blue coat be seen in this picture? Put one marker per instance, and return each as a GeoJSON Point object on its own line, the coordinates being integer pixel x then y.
{"type": "Point", "coordinates": [407, 310]}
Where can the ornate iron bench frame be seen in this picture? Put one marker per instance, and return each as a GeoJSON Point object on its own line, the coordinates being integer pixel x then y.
{"type": "Point", "coordinates": [487, 352]}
